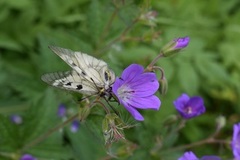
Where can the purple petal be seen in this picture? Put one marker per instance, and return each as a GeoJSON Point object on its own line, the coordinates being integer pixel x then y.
{"type": "Point", "coordinates": [117, 84]}
{"type": "Point", "coordinates": [151, 102]}
{"type": "Point", "coordinates": [145, 85]}
{"type": "Point", "coordinates": [188, 156]}
{"type": "Point", "coordinates": [75, 126]}
{"type": "Point", "coordinates": [136, 115]}
{"type": "Point", "coordinates": [197, 105]}
{"type": "Point", "coordinates": [181, 42]}
{"type": "Point", "coordinates": [181, 101]}
{"type": "Point", "coordinates": [17, 119]}
{"type": "Point", "coordinates": [132, 71]}
{"type": "Point", "coordinates": [28, 157]}
{"type": "Point", "coordinates": [61, 110]}
{"type": "Point", "coordinates": [236, 141]}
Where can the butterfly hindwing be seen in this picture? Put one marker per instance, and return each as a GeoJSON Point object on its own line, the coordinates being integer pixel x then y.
{"type": "Point", "coordinates": [70, 80]}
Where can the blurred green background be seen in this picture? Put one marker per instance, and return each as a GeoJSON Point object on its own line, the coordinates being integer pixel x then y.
{"type": "Point", "coordinates": [120, 32]}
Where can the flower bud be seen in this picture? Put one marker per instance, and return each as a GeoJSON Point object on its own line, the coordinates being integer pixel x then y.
{"type": "Point", "coordinates": [221, 122]}
{"type": "Point", "coordinates": [163, 86]}
{"type": "Point", "coordinates": [75, 126]}
{"type": "Point", "coordinates": [17, 119]}
{"type": "Point", "coordinates": [27, 157]}
{"type": "Point", "coordinates": [112, 127]}
{"type": "Point", "coordinates": [175, 46]}
{"type": "Point", "coordinates": [62, 110]}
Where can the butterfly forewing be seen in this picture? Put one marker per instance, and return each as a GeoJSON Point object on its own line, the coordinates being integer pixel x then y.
{"type": "Point", "coordinates": [89, 75]}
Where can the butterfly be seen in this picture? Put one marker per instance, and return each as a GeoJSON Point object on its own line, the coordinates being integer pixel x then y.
{"type": "Point", "coordinates": [89, 76]}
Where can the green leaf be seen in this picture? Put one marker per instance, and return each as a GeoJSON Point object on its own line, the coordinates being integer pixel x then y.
{"type": "Point", "coordinates": [188, 78]}
{"type": "Point", "coordinates": [95, 20]}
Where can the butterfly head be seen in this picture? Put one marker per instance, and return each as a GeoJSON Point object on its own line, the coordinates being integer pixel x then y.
{"type": "Point", "coordinates": [108, 77]}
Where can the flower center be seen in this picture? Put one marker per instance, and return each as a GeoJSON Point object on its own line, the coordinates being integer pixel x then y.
{"type": "Point", "coordinates": [188, 110]}
{"type": "Point", "coordinates": [125, 92]}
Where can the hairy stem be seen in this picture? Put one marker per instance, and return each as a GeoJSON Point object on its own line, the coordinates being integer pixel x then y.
{"type": "Point", "coordinates": [150, 66]}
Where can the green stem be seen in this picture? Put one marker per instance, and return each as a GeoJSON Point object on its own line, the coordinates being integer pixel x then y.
{"type": "Point", "coordinates": [209, 140]}
{"type": "Point", "coordinates": [150, 66]}
{"type": "Point", "coordinates": [160, 69]}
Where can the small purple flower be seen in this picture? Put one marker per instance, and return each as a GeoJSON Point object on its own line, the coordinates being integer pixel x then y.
{"type": "Point", "coordinates": [135, 90]}
{"type": "Point", "coordinates": [191, 156]}
{"type": "Point", "coordinates": [181, 42]}
{"type": "Point", "coordinates": [189, 107]}
{"type": "Point", "coordinates": [61, 110]}
{"type": "Point", "coordinates": [16, 119]}
{"type": "Point", "coordinates": [28, 157]}
{"type": "Point", "coordinates": [236, 141]}
{"type": "Point", "coordinates": [75, 126]}
{"type": "Point", "coordinates": [188, 156]}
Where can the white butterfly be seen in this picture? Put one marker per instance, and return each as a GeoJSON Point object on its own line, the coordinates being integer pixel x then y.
{"type": "Point", "coordinates": [89, 76]}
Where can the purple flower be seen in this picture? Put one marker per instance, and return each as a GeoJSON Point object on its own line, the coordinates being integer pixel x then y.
{"type": "Point", "coordinates": [75, 126]}
{"type": "Point", "coordinates": [175, 46]}
{"type": "Point", "coordinates": [189, 107]}
{"type": "Point", "coordinates": [16, 119]}
{"type": "Point", "coordinates": [188, 156]}
{"type": "Point", "coordinates": [236, 141]}
{"type": "Point", "coordinates": [28, 157]}
{"type": "Point", "coordinates": [191, 156]}
{"type": "Point", "coordinates": [181, 42]}
{"type": "Point", "coordinates": [135, 89]}
{"type": "Point", "coordinates": [61, 110]}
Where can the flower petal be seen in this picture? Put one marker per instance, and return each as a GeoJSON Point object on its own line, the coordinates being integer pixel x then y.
{"type": "Point", "coordinates": [188, 156]}
{"type": "Point", "coordinates": [197, 105]}
{"type": "Point", "coordinates": [151, 102]}
{"type": "Point", "coordinates": [117, 84]}
{"type": "Point", "coordinates": [236, 141]}
{"type": "Point", "coordinates": [181, 42]}
{"type": "Point", "coordinates": [180, 102]}
{"type": "Point", "coordinates": [133, 112]}
{"type": "Point", "coordinates": [132, 71]}
{"type": "Point", "coordinates": [145, 85]}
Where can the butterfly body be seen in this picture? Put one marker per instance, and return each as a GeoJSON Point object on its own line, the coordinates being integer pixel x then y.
{"type": "Point", "coordinates": [89, 76]}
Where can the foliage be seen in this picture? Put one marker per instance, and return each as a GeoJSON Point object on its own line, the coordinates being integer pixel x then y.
{"type": "Point", "coordinates": [119, 32]}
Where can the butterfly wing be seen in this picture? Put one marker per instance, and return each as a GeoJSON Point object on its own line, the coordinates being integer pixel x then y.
{"type": "Point", "coordinates": [70, 80]}
{"type": "Point", "coordinates": [89, 75]}
{"type": "Point", "coordinates": [87, 66]}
